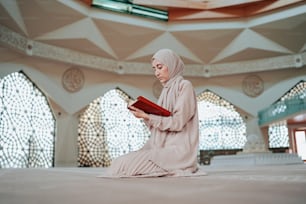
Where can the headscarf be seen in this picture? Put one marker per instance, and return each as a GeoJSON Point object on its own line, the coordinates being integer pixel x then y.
{"type": "Point", "coordinates": [175, 67]}
{"type": "Point", "coordinates": [171, 60]}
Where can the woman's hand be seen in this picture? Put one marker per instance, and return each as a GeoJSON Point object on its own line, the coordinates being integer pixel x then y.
{"type": "Point", "coordinates": [138, 113]}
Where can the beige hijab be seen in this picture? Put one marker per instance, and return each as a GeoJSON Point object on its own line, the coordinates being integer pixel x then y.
{"type": "Point", "coordinates": [175, 67]}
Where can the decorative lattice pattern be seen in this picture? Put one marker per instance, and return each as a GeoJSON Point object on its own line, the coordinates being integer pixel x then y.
{"type": "Point", "coordinates": [221, 126]}
{"type": "Point", "coordinates": [27, 125]}
{"type": "Point", "coordinates": [278, 132]}
{"type": "Point", "coordinates": [107, 130]}
{"type": "Point", "coordinates": [278, 135]}
{"type": "Point", "coordinates": [297, 91]}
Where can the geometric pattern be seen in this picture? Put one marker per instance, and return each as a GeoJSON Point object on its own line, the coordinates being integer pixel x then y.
{"type": "Point", "coordinates": [108, 130]}
{"type": "Point", "coordinates": [221, 126]}
{"type": "Point", "coordinates": [27, 125]}
{"type": "Point", "coordinates": [209, 38]}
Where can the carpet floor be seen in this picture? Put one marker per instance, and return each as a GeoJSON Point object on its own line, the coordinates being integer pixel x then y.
{"type": "Point", "coordinates": [279, 184]}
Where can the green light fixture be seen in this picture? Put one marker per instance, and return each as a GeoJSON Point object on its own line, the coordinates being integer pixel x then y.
{"type": "Point", "coordinates": [125, 6]}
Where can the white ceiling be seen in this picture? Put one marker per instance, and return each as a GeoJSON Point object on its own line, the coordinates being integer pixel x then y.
{"type": "Point", "coordinates": [209, 46]}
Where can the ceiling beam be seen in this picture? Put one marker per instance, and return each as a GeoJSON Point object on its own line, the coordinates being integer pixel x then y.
{"type": "Point", "coordinates": [234, 11]}
{"type": "Point", "coordinates": [268, 6]}
{"type": "Point", "coordinates": [183, 14]}
{"type": "Point", "coordinates": [215, 4]}
{"type": "Point", "coordinates": [190, 4]}
{"type": "Point", "coordinates": [87, 2]}
{"type": "Point", "coordinates": [196, 4]}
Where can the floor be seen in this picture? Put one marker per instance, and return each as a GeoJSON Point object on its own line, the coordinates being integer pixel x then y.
{"type": "Point", "coordinates": [281, 184]}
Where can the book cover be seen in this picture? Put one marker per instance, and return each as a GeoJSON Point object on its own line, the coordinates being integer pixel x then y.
{"type": "Point", "coordinates": [150, 107]}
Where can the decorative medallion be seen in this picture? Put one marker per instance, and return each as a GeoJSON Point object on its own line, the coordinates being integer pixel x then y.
{"type": "Point", "coordinates": [157, 88]}
{"type": "Point", "coordinates": [252, 85]}
{"type": "Point", "coordinates": [73, 79]}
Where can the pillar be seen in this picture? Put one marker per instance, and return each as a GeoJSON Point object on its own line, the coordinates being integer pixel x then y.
{"type": "Point", "coordinates": [66, 151]}
{"type": "Point", "coordinates": [255, 139]}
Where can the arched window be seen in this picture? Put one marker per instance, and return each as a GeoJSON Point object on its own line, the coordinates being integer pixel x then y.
{"type": "Point", "coordinates": [221, 126]}
{"type": "Point", "coordinates": [278, 135]}
{"type": "Point", "coordinates": [292, 101]}
{"type": "Point", "coordinates": [107, 130]}
{"type": "Point", "coordinates": [27, 125]}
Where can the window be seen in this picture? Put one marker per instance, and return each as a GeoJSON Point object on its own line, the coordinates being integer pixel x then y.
{"type": "Point", "coordinates": [107, 130]}
{"type": "Point", "coordinates": [27, 125]}
{"type": "Point", "coordinates": [221, 126]}
{"type": "Point", "coordinates": [290, 102]}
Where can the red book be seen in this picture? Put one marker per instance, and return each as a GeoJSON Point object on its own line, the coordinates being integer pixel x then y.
{"type": "Point", "coordinates": [149, 107]}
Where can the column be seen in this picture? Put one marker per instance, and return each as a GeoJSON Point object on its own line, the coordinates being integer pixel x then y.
{"type": "Point", "coordinates": [255, 139]}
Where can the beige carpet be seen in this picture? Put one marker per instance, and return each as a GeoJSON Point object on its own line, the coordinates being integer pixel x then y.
{"type": "Point", "coordinates": [245, 185]}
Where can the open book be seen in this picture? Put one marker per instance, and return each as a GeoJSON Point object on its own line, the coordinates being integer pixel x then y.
{"type": "Point", "coordinates": [149, 107]}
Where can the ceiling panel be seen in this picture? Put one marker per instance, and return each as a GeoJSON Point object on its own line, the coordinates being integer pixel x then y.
{"type": "Point", "coordinates": [289, 32]}
{"type": "Point", "coordinates": [275, 31]}
{"type": "Point", "coordinates": [41, 17]}
{"type": "Point", "coordinates": [250, 54]}
{"type": "Point", "coordinates": [81, 45]}
{"type": "Point", "coordinates": [10, 18]}
{"type": "Point", "coordinates": [126, 39]}
{"type": "Point", "coordinates": [206, 44]}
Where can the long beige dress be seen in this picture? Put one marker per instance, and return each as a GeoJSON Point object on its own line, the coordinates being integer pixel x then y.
{"type": "Point", "coordinates": [173, 145]}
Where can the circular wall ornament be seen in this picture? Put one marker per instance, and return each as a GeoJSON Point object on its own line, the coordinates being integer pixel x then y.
{"type": "Point", "coordinates": [252, 85]}
{"type": "Point", "coordinates": [157, 88]}
{"type": "Point", "coordinates": [73, 79]}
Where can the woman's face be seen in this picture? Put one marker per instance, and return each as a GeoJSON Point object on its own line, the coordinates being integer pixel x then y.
{"type": "Point", "coordinates": [161, 71]}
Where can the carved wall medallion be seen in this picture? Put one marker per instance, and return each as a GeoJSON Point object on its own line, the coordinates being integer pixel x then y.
{"type": "Point", "coordinates": [157, 88]}
{"type": "Point", "coordinates": [252, 85]}
{"type": "Point", "coordinates": [73, 79]}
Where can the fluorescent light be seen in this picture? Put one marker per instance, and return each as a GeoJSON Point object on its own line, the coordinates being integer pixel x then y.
{"type": "Point", "coordinates": [127, 7]}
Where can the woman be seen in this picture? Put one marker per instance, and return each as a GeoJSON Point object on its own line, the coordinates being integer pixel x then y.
{"type": "Point", "coordinates": [173, 145]}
